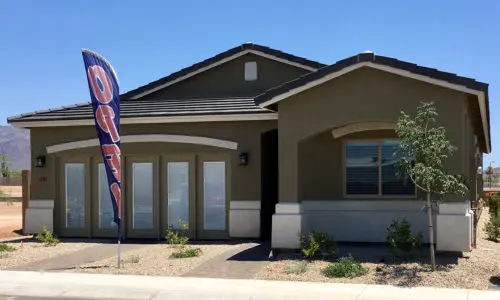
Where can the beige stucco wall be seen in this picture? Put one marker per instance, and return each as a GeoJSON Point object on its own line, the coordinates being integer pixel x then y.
{"type": "Point", "coordinates": [362, 95]}
{"type": "Point", "coordinates": [245, 180]}
{"type": "Point", "coordinates": [227, 80]}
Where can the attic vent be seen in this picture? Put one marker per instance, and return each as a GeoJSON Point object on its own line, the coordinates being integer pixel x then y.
{"type": "Point", "coordinates": [250, 71]}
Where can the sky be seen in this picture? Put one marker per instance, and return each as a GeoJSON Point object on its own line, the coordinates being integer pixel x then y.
{"type": "Point", "coordinates": [41, 65]}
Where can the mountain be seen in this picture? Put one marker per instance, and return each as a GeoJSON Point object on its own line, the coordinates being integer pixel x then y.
{"type": "Point", "coordinates": [15, 143]}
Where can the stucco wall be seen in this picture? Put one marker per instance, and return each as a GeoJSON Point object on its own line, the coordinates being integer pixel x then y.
{"type": "Point", "coordinates": [362, 95]}
{"type": "Point", "coordinates": [245, 179]}
{"type": "Point", "coordinates": [227, 80]}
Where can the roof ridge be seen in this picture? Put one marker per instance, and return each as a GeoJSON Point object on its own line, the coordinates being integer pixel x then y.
{"type": "Point", "coordinates": [220, 56]}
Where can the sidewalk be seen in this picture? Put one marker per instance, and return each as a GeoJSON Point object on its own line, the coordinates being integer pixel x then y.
{"type": "Point", "coordinates": [68, 285]}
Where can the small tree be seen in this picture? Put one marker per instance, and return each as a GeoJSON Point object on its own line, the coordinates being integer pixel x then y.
{"type": "Point", "coordinates": [423, 151]}
{"type": "Point", "coordinates": [4, 165]}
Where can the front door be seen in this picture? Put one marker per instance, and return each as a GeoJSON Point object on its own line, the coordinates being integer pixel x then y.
{"type": "Point", "coordinates": [213, 197]}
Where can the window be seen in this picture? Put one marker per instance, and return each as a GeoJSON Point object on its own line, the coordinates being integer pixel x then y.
{"type": "Point", "coordinates": [178, 193]}
{"type": "Point", "coordinates": [142, 195]}
{"type": "Point", "coordinates": [370, 169]}
{"type": "Point", "coordinates": [250, 71]}
{"type": "Point", "coordinates": [106, 214]}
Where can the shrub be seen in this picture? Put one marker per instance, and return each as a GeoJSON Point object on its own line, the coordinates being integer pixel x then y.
{"type": "Point", "coordinates": [494, 204]}
{"type": "Point", "coordinates": [296, 267]}
{"type": "Point", "coordinates": [134, 259]}
{"type": "Point", "coordinates": [401, 239]}
{"type": "Point", "coordinates": [47, 237]}
{"type": "Point", "coordinates": [492, 228]}
{"type": "Point", "coordinates": [6, 248]}
{"type": "Point", "coordinates": [186, 253]}
{"type": "Point", "coordinates": [346, 267]}
{"type": "Point", "coordinates": [178, 237]}
{"type": "Point", "coordinates": [318, 244]}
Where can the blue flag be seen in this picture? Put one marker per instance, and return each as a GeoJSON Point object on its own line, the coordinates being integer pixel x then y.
{"type": "Point", "coordinates": [103, 85]}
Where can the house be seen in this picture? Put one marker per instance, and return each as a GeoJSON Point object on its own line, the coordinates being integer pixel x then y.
{"type": "Point", "coordinates": [255, 142]}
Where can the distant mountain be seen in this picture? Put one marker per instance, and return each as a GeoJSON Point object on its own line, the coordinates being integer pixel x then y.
{"type": "Point", "coordinates": [15, 143]}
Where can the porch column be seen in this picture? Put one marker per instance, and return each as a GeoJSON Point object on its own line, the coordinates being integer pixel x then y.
{"type": "Point", "coordinates": [287, 221]}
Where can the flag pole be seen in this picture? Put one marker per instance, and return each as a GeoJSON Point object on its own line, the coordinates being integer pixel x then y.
{"type": "Point", "coordinates": [119, 242]}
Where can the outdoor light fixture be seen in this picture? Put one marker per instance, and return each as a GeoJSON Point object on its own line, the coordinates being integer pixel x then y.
{"type": "Point", "coordinates": [243, 159]}
{"type": "Point", "coordinates": [40, 162]}
{"type": "Point", "coordinates": [479, 170]}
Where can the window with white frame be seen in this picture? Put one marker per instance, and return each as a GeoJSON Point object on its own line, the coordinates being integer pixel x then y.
{"type": "Point", "coordinates": [370, 169]}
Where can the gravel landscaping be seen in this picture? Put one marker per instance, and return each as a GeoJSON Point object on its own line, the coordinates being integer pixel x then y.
{"type": "Point", "coordinates": [472, 271]}
{"type": "Point", "coordinates": [155, 260]}
{"type": "Point", "coordinates": [31, 251]}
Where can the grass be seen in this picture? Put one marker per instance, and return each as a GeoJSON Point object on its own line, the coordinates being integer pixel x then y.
{"type": "Point", "coordinates": [186, 253]}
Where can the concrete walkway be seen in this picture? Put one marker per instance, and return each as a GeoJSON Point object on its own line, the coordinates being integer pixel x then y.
{"type": "Point", "coordinates": [71, 260]}
{"type": "Point", "coordinates": [85, 286]}
{"type": "Point", "coordinates": [241, 263]}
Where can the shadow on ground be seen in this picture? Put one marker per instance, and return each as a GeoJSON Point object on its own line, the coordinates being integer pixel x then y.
{"type": "Point", "coordinates": [259, 252]}
{"type": "Point", "coordinates": [405, 272]}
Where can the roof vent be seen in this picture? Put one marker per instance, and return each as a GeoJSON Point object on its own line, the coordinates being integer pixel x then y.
{"type": "Point", "coordinates": [368, 51]}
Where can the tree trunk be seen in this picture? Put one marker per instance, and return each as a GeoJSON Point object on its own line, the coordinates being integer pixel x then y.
{"type": "Point", "coordinates": [431, 231]}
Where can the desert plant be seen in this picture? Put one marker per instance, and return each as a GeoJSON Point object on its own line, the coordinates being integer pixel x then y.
{"type": "Point", "coordinates": [47, 237]}
{"type": "Point", "coordinates": [4, 166]}
{"type": "Point", "coordinates": [178, 237]}
{"type": "Point", "coordinates": [134, 259]}
{"type": "Point", "coordinates": [318, 244]}
{"type": "Point", "coordinates": [422, 152]}
{"type": "Point", "coordinates": [346, 267]}
{"type": "Point", "coordinates": [494, 204]}
{"type": "Point", "coordinates": [492, 228]}
{"type": "Point", "coordinates": [296, 267]}
{"type": "Point", "coordinates": [186, 252]}
{"type": "Point", "coordinates": [6, 248]}
{"type": "Point", "coordinates": [401, 239]}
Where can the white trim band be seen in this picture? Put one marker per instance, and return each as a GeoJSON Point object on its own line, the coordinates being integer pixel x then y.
{"type": "Point", "coordinates": [148, 138]}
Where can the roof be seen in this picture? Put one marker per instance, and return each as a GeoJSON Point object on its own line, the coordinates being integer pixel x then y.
{"type": "Point", "coordinates": [254, 48]}
{"type": "Point", "coordinates": [376, 59]}
{"type": "Point", "coordinates": [280, 92]}
{"type": "Point", "coordinates": [151, 108]}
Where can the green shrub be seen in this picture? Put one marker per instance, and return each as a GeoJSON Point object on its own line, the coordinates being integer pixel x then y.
{"type": "Point", "coordinates": [401, 239]}
{"type": "Point", "coordinates": [296, 267]}
{"type": "Point", "coordinates": [6, 248]}
{"type": "Point", "coordinates": [186, 253]}
{"type": "Point", "coordinates": [492, 228]}
{"type": "Point", "coordinates": [494, 204]}
{"type": "Point", "coordinates": [318, 244]}
{"type": "Point", "coordinates": [47, 237]}
{"type": "Point", "coordinates": [178, 237]}
{"type": "Point", "coordinates": [346, 267]}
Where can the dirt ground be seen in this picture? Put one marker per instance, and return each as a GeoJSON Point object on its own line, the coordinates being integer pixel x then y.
{"type": "Point", "coordinates": [10, 219]}
{"type": "Point", "coordinates": [12, 191]}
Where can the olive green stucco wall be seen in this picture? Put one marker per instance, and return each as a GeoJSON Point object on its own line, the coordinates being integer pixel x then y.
{"type": "Point", "coordinates": [245, 180]}
{"type": "Point", "coordinates": [363, 95]}
{"type": "Point", "coordinates": [227, 80]}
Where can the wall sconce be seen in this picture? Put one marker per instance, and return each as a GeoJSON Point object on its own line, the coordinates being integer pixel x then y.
{"type": "Point", "coordinates": [40, 162]}
{"type": "Point", "coordinates": [243, 159]}
{"type": "Point", "coordinates": [479, 170]}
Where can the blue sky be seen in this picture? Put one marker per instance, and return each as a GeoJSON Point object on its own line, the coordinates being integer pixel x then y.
{"type": "Point", "coordinates": [40, 41]}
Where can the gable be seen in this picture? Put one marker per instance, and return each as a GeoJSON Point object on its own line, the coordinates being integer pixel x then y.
{"type": "Point", "coordinates": [228, 80]}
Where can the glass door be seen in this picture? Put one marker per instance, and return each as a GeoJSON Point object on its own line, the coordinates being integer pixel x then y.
{"type": "Point", "coordinates": [102, 208]}
{"type": "Point", "coordinates": [213, 198]}
{"type": "Point", "coordinates": [74, 196]}
{"type": "Point", "coordinates": [178, 193]}
{"type": "Point", "coordinates": [142, 221]}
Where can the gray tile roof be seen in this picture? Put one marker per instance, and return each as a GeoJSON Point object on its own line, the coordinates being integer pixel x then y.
{"type": "Point", "coordinates": [150, 108]}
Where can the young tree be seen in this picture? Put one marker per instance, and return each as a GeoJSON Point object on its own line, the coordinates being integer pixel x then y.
{"type": "Point", "coordinates": [423, 151]}
{"type": "Point", "coordinates": [4, 165]}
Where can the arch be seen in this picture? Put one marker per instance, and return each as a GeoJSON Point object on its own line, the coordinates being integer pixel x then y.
{"type": "Point", "coordinates": [362, 126]}
{"type": "Point", "coordinates": [148, 138]}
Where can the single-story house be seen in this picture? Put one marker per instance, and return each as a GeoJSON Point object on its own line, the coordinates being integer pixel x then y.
{"type": "Point", "coordinates": [258, 143]}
